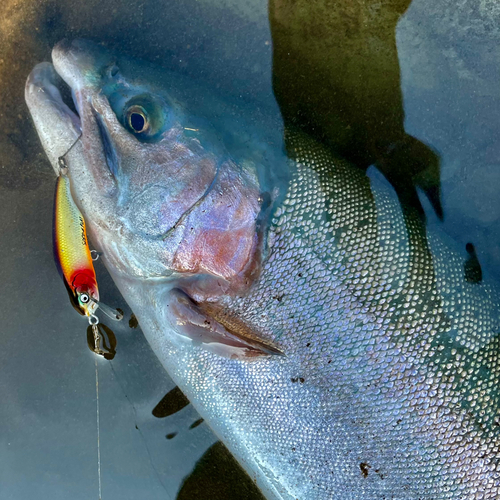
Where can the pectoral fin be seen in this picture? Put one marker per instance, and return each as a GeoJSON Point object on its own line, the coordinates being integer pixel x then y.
{"type": "Point", "coordinates": [205, 323]}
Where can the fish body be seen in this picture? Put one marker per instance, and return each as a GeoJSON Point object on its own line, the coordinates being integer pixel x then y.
{"type": "Point", "coordinates": [221, 244]}
{"type": "Point", "coordinates": [71, 250]}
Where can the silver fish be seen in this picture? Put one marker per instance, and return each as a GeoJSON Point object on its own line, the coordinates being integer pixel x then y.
{"type": "Point", "coordinates": [331, 342]}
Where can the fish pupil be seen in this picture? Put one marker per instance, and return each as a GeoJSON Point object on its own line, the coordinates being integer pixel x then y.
{"type": "Point", "coordinates": [137, 122]}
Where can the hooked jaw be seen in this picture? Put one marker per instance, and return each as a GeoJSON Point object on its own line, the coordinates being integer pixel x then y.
{"type": "Point", "coordinates": [57, 125]}
{"type": "Point", "coordinates": [61, 129]}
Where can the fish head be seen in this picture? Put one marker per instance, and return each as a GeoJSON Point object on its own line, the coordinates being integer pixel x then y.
{"type": "Point", "coordinates": [159, 189]}
{"type": "Point", "coordinates": [173, 183]}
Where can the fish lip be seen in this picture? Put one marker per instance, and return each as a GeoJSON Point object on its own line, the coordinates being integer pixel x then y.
{"type": "Point", "coordinates": [44, 78]}
{"type": "Point", "coordinates": [82, 63]}
{"type": "Point", "coordinates": [74, 63]}
{"type": "Point", "coordinates": [58, 126]}
{"type": "Point", "coordinates": [64, 63]}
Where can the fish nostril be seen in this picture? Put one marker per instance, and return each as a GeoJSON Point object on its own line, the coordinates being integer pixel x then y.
{"type": "Point", "coordinates": [113, 70]}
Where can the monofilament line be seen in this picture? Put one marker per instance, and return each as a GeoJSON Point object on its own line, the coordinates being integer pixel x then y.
{"type": "Point", "coordinates": [98, 433]}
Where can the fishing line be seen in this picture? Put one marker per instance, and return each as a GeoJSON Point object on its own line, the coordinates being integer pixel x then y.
{"type": "Point", "coordinates": [98, 428]}
{"type": "Point", "coordinates": [61, 161]}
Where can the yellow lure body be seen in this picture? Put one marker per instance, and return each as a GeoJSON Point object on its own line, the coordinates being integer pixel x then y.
{"type": "Point", "coordinates": [71, 250]}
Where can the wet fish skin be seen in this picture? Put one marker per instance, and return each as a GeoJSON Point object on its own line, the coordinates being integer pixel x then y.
{"type": "Point", "coordinates": [388, 386]}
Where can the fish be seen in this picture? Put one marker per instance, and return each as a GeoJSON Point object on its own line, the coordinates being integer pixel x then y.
{"type": "Point", "coordinates": [329, 338]}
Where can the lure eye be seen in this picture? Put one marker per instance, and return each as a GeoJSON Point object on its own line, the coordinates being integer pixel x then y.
{"type": "Point", "coordinates": [84, 298]}
{"type": "Point", "coordinates": [137, 119]}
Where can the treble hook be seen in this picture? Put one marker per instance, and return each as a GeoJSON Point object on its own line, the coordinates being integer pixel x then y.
{"type": "Point", "coordinates": [101, 340]}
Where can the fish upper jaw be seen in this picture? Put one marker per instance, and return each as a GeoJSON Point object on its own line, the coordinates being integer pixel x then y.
{"type": "Point", "coordinates": [81, 64]}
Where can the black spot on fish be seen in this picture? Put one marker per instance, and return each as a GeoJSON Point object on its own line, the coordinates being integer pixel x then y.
{"type": "Point", "coordinates": [472, 269]}
{"type": "Point", "coordinates": [171, 403]}
{"type": "Point", "coordinates": [218, 475]}
{"type": "Point", "coordinates": [364, 468]}
{"type": "Point", "coordinates": [132, 322]}
{"type": "Point", "coordinates": [196, 424]}
{"type": "Point", "coordinates": [171, 435]}
{"type": "Point", "coordinates": [294, 379]}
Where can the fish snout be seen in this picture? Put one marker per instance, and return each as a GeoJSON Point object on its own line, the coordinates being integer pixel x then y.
{"type": "Point", "coordinates": [80, 62]}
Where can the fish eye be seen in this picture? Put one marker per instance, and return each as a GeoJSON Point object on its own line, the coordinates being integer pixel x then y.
{"type": "Point", "coordinates": [146, 115]}
{"type": "Point", "coordinates": [137, 119]}
{"type": "Point", "coordinates": [84, 298]}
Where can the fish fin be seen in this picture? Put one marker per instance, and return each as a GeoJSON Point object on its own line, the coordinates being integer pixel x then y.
{"type": "Point", "coordinates": [206, 324]}
{"type": "Point", "coordinates": [408, 164]}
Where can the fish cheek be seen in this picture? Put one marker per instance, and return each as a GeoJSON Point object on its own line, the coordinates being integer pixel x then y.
{"type": "Point", "coordinates": [221, 236]}
{"type": "Point", "coordinates": [216, 252]}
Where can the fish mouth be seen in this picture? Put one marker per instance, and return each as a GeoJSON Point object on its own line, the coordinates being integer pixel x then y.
{"type": "Point", "coordinates": [56, 118]}
{"type": "Point", "coordinates": [55, 93]}
{"type": "Point", "coordinates": [60, 96]}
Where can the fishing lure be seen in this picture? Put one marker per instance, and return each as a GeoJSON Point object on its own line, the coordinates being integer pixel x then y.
{"type": "Point", "coordinates": [75, 263]}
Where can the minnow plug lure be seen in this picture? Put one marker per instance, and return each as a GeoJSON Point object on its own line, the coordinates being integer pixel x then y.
{"type": "Point", "coordinates": [74, 259]}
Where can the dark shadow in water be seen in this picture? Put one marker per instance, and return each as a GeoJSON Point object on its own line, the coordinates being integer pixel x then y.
{"type": "Point", "coordinates": [472, 268]}
{"type": "Point", "coordinates": [336, 76]}
{"type": "Point", "coordinates": [171, 403]}
{"type": "Point", "coordinates": [218, 475]}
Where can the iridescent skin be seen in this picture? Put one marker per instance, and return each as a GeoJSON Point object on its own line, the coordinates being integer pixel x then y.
{"type": "Point", "coordinates": [388, 387]}
{"type": "Point", "coordinates": [71, 250]}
